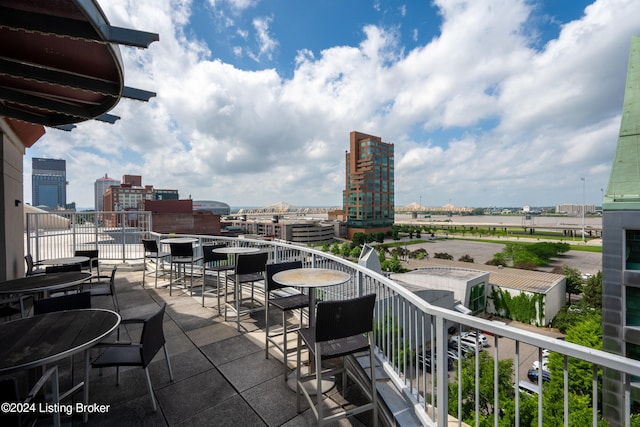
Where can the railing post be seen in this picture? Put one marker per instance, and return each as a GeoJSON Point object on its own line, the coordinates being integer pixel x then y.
{"type": "Point", "coordinates": [74, 224]}
{"type": "Point", "coordinates": [442, 375]}
{"type": "Point", "coordinates": [124, 237]}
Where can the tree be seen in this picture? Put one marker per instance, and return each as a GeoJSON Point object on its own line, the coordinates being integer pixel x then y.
{"type": "Point", "coordinates": [443, 255]}
{"type": "Point", "coordinates": [486, 386]}
{"type": "Point", "coordinates": [587, 332]}
{"type": "Point", "coordinates": [592, 291]}
{"type": "Point", "coordinates": [574, 281]}
{"type": "Point", "coordinates": [379, 237]}
{"type": "Point", "coordinates": [466, 258]}
{"type": "Point", "coordinates": [358, 239]}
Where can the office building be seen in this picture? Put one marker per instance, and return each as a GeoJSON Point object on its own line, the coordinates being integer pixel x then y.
{"type": "Point", "coordinates": [368, 198]}
{"type": "Point", "coordinates": [621, 251]}
{"type": "Point", "coordinates": [131, 195]}
{"type": "Point", "coordinates": [575, 209]}
{"type": "Point", "coordinates": [48, 183]}
{"type": "Point", "coordinates": [100, 186]}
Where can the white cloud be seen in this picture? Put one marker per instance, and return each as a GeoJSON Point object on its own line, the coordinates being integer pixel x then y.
{"type": "Point", "coordinates": [507, 123]}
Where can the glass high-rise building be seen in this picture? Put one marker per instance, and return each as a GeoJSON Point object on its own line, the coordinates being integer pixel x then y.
{"type": "Point", "coordinates": [100, 186]}
{"type": "Point", "coordinates": [49, 183]}
{"type": "Point", "coordinates": [368, 197]}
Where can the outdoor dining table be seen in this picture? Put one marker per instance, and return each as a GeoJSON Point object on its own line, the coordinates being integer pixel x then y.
{"type": "Point", "coordinates": [311, 278]}
{"type": "Point", "coordinates": [65, 261]}
{"type": "Point", "coordinates": [43, 283]}
{"type": "Point", "coordinates": [45, 339]}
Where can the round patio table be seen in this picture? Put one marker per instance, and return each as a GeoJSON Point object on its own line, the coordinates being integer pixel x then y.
{"type": "Point", "coordinates": [43, 340]}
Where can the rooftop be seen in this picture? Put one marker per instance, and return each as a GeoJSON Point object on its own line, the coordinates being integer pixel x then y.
{"type": "Point", "coordinates": [221, 375]}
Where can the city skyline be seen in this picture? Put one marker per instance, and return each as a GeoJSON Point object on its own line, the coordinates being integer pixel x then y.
{"type": "Point", "coordinates": [488, 103]}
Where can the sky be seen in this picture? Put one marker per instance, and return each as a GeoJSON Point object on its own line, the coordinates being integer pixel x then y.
{"type": "Point", "coordinates": [487, 102]}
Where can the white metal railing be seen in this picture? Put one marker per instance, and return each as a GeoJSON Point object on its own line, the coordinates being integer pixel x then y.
{"type": "Point", "coordinates": [407, 326]}
{"type": "Point", "coordinates": [116, 235]}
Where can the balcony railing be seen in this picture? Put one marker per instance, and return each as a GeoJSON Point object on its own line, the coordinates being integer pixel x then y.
{"type": "Point", "coordinates": [411, 335]}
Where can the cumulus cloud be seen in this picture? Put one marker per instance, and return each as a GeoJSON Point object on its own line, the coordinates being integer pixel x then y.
{"type": "Point", "coordinates": [480, 115]}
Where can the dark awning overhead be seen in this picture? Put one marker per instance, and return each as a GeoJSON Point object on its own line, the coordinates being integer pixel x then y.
{"type": "Point", "coordinates": [60, 62]}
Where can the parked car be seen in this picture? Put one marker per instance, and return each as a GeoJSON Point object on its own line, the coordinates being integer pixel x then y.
{"type": "Point", "coordinates": [464, 349]}
{"type": "Point", "coordinates": [532, 374]}
{"type": "Point", "coordinates": [472, 335]}
{"type": "Point", "coordinates": [426, 361]}
{"type": "Point", "coordinates": [467, 341]}
{"type": "Point", "coordinates": [545, 363]}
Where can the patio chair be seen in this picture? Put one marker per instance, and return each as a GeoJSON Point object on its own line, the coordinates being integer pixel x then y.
{"type": "Point", "coordinates": [286, 300]}
{"type": "Point", "coordinates": [104, 288]}
{"type": "Point", "coordinates": [137, 353]}
{"type": "Point", "coordinates": [32, 268]}
{"type": "Point", "coordinates": [343, 328]}
{"type": "Point", "coordinates": [214, 262]}
{"type": "Point", "coordinates": [64, 302]}
{"type": "Point", "coordinates": [250, 268]}
{"type": "Point", "coordinates": [93, 263]}
{"type": "Point", "coordinates": [154, 255]}
{"type": "Point", "coordinates": [182, 255]}
{"type": "Point", "coordinates": [62, 268]}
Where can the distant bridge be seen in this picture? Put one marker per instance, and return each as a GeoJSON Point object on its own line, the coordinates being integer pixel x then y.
{"type": "Point", "coordinates": [282, 208]}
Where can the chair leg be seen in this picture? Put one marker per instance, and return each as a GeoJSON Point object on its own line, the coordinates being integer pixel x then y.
{"type": "Point", "coordinates": [298, 370]}
{"type": "Point", "coordinates": [284, 345]}
{"type": "Point", "coordinates": [319, 394]}
{"type": "Point", "coordinates": [374, 392]}
{"type": "Point", "coordinates": [266, 329]}
{"type": "Point", "coordinates": [144, 270]}
{"type": "Point", "coordinates": [166, 356]}
{"type": "Point", "coordinates": [153, 399]}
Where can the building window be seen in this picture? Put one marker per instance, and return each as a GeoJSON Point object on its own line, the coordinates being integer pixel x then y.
{"type": "Point", "coordinates": [476, 299]}
{"type": "Point", "coordinates": [632, 250]}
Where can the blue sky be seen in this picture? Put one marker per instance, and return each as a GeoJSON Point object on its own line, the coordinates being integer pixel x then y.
{"type": "Point", "coordinates": [488, 102]}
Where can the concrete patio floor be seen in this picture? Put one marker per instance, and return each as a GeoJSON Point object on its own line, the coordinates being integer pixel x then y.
{"type": "Point", "coordinates": [221, 376]}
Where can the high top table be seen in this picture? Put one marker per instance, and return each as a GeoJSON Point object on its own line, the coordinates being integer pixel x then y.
{"type": "Point", "coordinates": [311, 278]}
{"type": "Point", "coordinates": [43, 340]}
{"type": "Point", "coordinates": [65, 261]}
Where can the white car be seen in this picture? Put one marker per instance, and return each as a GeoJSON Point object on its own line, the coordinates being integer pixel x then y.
{"type": "Point", "coordinates": [467, 341]}
{"type": "Point", "coordinates": [545, 362]}
{"type": "Point", "coordinates": [482, 338]}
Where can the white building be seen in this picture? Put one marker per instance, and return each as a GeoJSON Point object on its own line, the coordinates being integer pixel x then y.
{"type": "Point", "coordinates": [99, 187]}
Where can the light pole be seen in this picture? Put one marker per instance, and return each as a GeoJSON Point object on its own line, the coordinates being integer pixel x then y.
{"type": "Point", "coordinates": [583, 206]}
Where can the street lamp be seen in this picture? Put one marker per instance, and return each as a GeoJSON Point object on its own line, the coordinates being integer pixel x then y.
{"type": "Point", "coordinates": [583, 207]}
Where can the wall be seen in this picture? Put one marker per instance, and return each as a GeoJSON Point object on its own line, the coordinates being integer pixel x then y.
{"type": "Point", "coordinates": [11, 216]}
{"type": "Point", "coordinates": [186, 223]}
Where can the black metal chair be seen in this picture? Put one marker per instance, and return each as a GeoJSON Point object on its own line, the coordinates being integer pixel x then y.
{"type": "Point", "coordinates": [250, 268]}
{"type": "Point", "coordinates": [286, 300]}
{"type": "Point", "coordinates": [182, 254]}
{"type": "Point", "coordinates": [92, 263]}
{"type": "Point", "coordinates": [343, 328]}
{"type": "Point", "coordinates": [153, 254]}
{"type": "Point", "coordinates": [62, 268]}
{"type": "Point", "coordinates": [137, 353]}
{"type": "Point", "coordinates": [104, 288]}
{"type": "Point", "coordinates": [32, 268]}
{"type": "Point", "coordinates": [214, 262]}
{"type": "Point", "coordinates": [75, 301]}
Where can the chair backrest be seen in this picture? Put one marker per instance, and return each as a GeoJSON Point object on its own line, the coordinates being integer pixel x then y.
{"type": "Point", "coordinates": [152, 337]}
{"type": "Point", "coordinates": [93, 255]}
{"type": "Point", "coordinates": [29, 260]}
{"type": "Point", "coordinates": [346, 318]}
{"type": "Point", "coordinates": [210, 256]}
{"type": "Point", "coordinates": [150, 245]}
{"type": "Point", "coordinates": [65, 302]}
{"type": "Point", "coordinates": [277, 268]}
{"type": "Point", "coordinates": [62, 268]}
{"type": "Point", "coordinates": [181, 249]}
{"type": "Point", "coordinates": [251, 263]}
